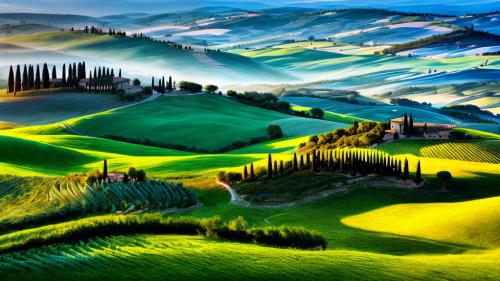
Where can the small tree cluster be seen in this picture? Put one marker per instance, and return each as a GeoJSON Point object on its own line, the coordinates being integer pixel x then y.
{"type": "Point", "coordinates": [163, 85]}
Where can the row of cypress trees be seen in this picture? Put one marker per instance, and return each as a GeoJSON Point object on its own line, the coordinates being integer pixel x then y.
{"type": "Point", "coordinates": [163, 86]}
{"type": "Point", "coordinates": [31, 78]}
{"type": "Point", "coordinates": [347, 162]}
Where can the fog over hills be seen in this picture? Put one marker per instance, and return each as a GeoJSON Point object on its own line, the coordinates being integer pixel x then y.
{"type": "Point", "coordinates": [101, 8]}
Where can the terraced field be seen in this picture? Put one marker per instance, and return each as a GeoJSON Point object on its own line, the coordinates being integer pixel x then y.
{"type": "Point", "coordinates": [474, 151]}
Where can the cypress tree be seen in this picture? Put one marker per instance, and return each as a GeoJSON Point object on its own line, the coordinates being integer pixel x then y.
{"type": "Point", "coordinates": [152, 82]}
{"type": "Point", "coordinates": [84, 71]}
{"type": "Point", "coordinates": [24, 85]}
{"type": "Point", "coordinates": [37, 78]}
{"type": "Point", "coordinates": [252, 173]}
{"type": "Point", "coordinates": [314, 162]}
{"type": "Point", "coordinates": [17, 83]}
{"type": "Point", "coordinates": [275, 169]}
{"type": "Point", "coordinates": [282, 168]}
{"type": "Point", "coordinates": [418, 176]}
{"type": "Point", "coordinates": [269, 167]}
{"type": "Point", "coordinates": [120, 72]}
{"type": "Point", "coordinates": [308, 160]}
{"type": "Point", "coordinates": [405, 124]}
{"type": "Point", "coordinates": [410, 125]}
{"type": "Point", "coordinates": [295, 168]}
{"type": "Point", "coordinates": [75, 79]}
{"type": "Point", "coordinates": [31, 78]}
{"type": "Point", "coordinates": [406, 173]}
{"type": "Point", "coordinates": [399, 168]}
{"type": "Point", "coordinates": [10, 81]}
{"type": "Point", "coordinates": [170, 83]}
{"type": "Point", "coordinates": [301, 162]}
{"type": "Point", "coordinates": [330, 160]}
{"type": "Point", "coordinates": [245, 173]}
{"type": "Point", "coordinates": [70, 75]}
{"type": "Point", "coordinates": [90, 82]}
{"type": "Point", "coordinates": [54, 73]}
{"type": "Point", "coordinates": [105, 169]}
{"type": "Point", "coordinates": [45, 77]}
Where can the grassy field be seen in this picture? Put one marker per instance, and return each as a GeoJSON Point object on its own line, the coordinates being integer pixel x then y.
{"type": "Point", "coordinates": [214, 122]}
{"type": "Point", "coordinates": [473, 222]}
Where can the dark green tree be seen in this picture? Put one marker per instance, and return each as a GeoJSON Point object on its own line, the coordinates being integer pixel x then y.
{"type": "Point", "coordinates": [105, 169]}
{"type": "Point", "coordinates": [418, 175]}
{"type": "Point", "coordinates": [38, 82]}
{"type": "Point", "coordinates": [245, 173]}
{"type": "Point", "coordinates": [24, 85]}
{"type": "Point", "coordinates": [54, 72]}
{"type": "Point", "coordinates": [269, 166]}
{"type": "Point", "coordinates": [282, 167]}
{"type": "Point", "coordinates": [301, 166]}
{"type": "Point", "coordinates": [406, 173]}
{"type": "Point", "coordinates": [295, 166]}
{"type": "Point", "coordinates": [45, 77]}
{"type": "Point", "coordinates": [31, 78]}
{"type": "Point", "coordinates": [10, 81]}
{"type": "Point", "coordinates": [275, 169]}
{"type": "Point", "coordinates": [252, 173]}
{"type": "Point", "coordinates": [17, 79]}
{"type": "Point", "coordinates": [410, 124]}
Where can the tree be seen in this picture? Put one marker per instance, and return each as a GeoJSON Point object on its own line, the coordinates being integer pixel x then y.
{"type": "Point", "coordinates": [444, 177]}
{"type": "Point", "coordinates": [275, 169]}
{"type": "Point", "coordinates": [45, 77]}
{"type": "Point", "coordinates": [54, 72]}
{"type": "Point", "coordinates": [31, 78]}
{"type": "Point", "coordinates": [252, 173]}
{"type": "Point", "coordinates": [274, 132]}
{"type": "Point", "coordinates": [269, 167]}
{"type": "Point", "coordinates": [190, 87]}
{"type": "Point", "coordinates": [136, 82]}
{"type": "Point", "coordinates": [418, 176]}
{"type": "Point", "coordinates": [37, 78]}
{"type": "Point", "coordinates": [17, 83]}
{"type": "Point", "coordinates": [231, 93]}
{"type": "Point", "coordinates": [10, 81]}
{"type": "Point", "coordinates": [410, 125]}
{"type": "Point", "coordinates": [282, 167]}
{"type": "Point", "coordinates": [301, 166]}
{"type": "Point", "coordinates": [132, 173]}
{"type": "Point", "coordinates": [317, 113]}
{"type": "Point", "coordinates": [24, 85]}
{"type": "Point", "coordinates": [245, 173]}
{"type": "Point", "coordinates": [105, 169]}
{"type": "Point", "coordinates": [295, 166]}
{"type": "Point", "coordinates": [211, 88]}
{"type": "Point", "coordinates": [406, 173]}
{"type": "Point", "coordinates": [405, 124]}
{"type": "Point", "coordinates": [141, 175]}
{"type": "Point", "coordinates": [314, 162]}
{"type": "Point", "coordinates": [396, 136]}
{"type": "Point", "coordinates": [120, 72]}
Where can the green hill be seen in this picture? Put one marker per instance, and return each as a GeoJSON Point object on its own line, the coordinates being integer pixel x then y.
{"type": "Point", "coordinates": [203, 121]}
{"type": "Point", "coordinates": [151, 58]}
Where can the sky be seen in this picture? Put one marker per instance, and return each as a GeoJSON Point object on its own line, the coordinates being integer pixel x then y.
{"type": "Point", "coordinates": [108, 7]}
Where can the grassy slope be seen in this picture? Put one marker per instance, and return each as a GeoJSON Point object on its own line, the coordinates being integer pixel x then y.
{"type": "Point", "coordinates": [214, 122]}
{"type": "Point", "coordinates": [472, 222]}
{"type": "Point", "coordinates": [54, 107]}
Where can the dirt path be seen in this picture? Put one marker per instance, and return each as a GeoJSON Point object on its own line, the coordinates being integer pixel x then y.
{"type": "Point", "coordinates": [234, 195]}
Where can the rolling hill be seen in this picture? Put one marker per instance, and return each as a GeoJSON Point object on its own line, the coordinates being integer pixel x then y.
{"type": "Point", "coordinates": [203, 121]}
{"type": "Point", "coordinates": [145, 58]}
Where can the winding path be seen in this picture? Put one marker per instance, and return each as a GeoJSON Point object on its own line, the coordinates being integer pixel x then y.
{"type": "Point", "coordinates": [234, 195]}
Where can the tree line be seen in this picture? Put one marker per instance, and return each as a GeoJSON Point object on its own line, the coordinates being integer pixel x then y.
{"type": "Point", "coordinates": [347, 162]}
{"type": "Point", "coordinates": [31, 78]}
{"type": "Point", "coordinates": [163, 86]}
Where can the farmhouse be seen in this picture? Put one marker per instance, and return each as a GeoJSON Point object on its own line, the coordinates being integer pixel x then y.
{"type": "Point", "coordinates": [119, 83]}
{"type": "Point", "coordinates": [426, 130]}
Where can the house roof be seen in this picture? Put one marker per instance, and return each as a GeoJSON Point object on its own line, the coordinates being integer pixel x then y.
{"type": "Point", "coordinates": [421, 124]}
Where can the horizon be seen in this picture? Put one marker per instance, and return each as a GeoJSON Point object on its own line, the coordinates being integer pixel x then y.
{"type": "Point", "coordinates": [163, 6]}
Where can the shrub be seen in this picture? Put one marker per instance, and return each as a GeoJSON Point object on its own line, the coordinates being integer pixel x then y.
{"type": "Point", "coordinates": [231, 93]}
{"type": "Point", "coordinates": [317, 113]}
{"type": "Point", "coordinates": [136, 82]}
{"type": "Point", "coordinates": [274, 132]}
{"type": "Point", "coordinates": [444, 177]}
{"type": "Point", "coordinates": [190, 87]}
